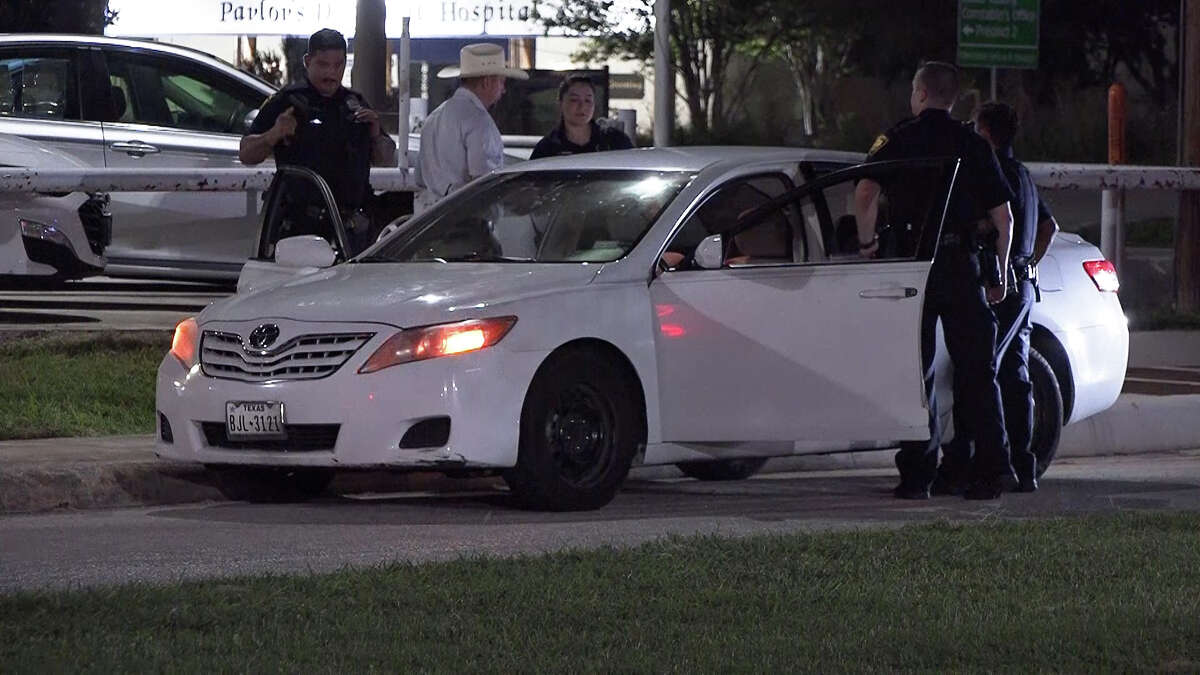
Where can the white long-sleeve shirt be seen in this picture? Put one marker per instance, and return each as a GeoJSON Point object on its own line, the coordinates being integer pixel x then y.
{"type": "Point", "coordinates": [459, 142]}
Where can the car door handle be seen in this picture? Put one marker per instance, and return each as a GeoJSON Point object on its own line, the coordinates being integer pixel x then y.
{"type": "Point", "coordinates": [134, 148]}
{"type": "Point", "coordinates": [889, 293]}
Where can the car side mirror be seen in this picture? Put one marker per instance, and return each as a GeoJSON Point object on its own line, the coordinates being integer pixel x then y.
{"type": "Point", "coordinates": [710, 253]}
{"type": "Point", "coordinates": [249, 119]}
{"type": "Point", "coordinates": [306, 250]}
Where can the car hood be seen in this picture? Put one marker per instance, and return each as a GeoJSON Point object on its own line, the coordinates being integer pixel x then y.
{"type": "Point", "coordinates": [401, 294]}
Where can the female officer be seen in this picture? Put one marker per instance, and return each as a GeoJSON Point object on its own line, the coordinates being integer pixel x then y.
{"type": "Point", "coordinates": [576, 131]}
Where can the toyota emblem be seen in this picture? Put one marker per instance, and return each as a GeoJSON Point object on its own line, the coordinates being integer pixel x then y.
{"type": "Point", "coordinates": [264, 336]}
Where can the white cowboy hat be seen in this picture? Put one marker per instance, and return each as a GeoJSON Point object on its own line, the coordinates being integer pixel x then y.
{"type": "Point", "coordinates": [480, 59]}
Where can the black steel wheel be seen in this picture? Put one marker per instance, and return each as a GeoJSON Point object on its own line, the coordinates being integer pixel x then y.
{"type": "Point", "coordinates": [580, 429]}
{"type": "Point", "coordinates": [740, 468]}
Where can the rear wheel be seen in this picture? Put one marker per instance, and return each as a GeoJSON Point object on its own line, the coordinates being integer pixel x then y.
{"type": "Point", "coordinates": [271, 484]}
{"type": "Point", "coordinates": [580, 429]}
{"type": "Point", "coordinates": [1047, 411]}
{"type": "Point", "coordinates": [723, 469]}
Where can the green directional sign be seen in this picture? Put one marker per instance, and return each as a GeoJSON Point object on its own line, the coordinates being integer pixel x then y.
{"type": "Point", "coordinates": [998, 33]}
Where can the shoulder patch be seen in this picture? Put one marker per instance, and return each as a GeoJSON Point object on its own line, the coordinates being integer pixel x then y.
{"type": "Point", "coordinates": [880, 141]}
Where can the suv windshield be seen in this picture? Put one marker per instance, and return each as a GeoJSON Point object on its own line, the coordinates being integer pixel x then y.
{"type": "Point", "coordinates": [538, 216]}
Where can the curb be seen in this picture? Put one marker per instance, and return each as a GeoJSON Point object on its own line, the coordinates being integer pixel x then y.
{"type": "Point", "coordinates": [124, 484]}
{"type": "Point", "coordinates": [118, 472]}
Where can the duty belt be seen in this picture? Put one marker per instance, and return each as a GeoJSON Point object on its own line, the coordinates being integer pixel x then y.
{"type": "Point", "coordinates": [1023, 270]}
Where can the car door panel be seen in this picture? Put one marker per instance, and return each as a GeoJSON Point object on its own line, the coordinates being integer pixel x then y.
{"type": "Point", "coordinates": [823, 349]}
{"type": "Point", "coordinates": [791, 353]}
{"type": "Point", "coordinates": [149, 130]}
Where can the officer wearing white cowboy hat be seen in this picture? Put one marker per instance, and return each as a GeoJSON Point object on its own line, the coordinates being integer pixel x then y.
{"type": "Point", "coordinates": [459, 139]}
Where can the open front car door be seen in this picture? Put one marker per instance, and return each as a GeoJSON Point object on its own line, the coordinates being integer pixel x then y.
{"type": "Point", "coordinates": [301, 230]}
{"type": "Point", "coordinates": [774, 328]}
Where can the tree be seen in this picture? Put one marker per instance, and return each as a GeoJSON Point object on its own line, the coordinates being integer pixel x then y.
{"type": "Point", "coordinates": [706, 35]}
{"type": "Point", "coordinates": [62, 16]}
{"type": "Point", "coordinates": [816, 43]}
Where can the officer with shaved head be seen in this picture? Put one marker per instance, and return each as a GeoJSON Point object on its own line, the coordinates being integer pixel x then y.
{"type": "Point", "coordinates": [957, 291]}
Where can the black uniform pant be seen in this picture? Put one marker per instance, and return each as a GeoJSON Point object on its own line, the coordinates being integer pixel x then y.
{"type": "Point", "coordinates": [1016, 390]}
{"type": "Point", "coordinates": [955, 295]}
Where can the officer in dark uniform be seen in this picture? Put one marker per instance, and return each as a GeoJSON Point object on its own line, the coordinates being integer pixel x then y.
{"type": "Point", "coordinates": [577, 132]}
{"type": "Point", "coordinates": [321, 125]}
{"type": "Point", "coordinates": [955, 292]}
{"type": "Point", "coordinates": [1033, 229]}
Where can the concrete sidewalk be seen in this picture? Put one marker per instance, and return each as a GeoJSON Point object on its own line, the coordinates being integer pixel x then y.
{"type": "Point", "coordinates": [121, 471]}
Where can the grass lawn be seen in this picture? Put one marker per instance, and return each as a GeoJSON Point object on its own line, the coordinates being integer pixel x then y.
{"type": "Point", "coordinates": [79, 384]}
{"type": "Point", "coordinates": [1111, 593]}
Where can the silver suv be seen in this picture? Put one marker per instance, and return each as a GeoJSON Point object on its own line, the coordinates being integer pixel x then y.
{"type": "Point", "coordinates": [135, 104]}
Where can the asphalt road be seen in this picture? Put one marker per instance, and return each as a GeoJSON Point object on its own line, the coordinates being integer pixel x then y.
{"type": "Point", "coordinates": [79, 549]}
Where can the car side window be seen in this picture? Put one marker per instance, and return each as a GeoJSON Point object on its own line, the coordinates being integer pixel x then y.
{"type": "Point", "coordinates": [171, 93]}
{"type": "Point", "coordinates": [911, 202]}
{"type": "Point", "coordinates": [37, 86]}
{"type": "Point", "coordinates": [296, 205]}
{"type": "Point", "coordinates": [775, 240]}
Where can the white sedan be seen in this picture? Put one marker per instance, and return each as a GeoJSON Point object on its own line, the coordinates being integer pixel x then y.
{"type": "Point", "coordinates": [562, 320]}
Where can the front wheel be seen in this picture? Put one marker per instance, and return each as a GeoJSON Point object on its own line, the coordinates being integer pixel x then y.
{"type": "Point", "coordinates": [271, 484]}
{"type": "Point", "coordinates": [580, 429]}
{"type": "Point", "coordinates": [723, 469]}
{"type": "Point", "coordinates": [1047, 411]}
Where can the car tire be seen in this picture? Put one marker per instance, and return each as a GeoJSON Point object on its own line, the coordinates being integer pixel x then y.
{"type": "Point", "coordinates": [579, 432]}
{"type": "Point", "coordinates": [740, 468]}
{"type": "Point", "coordinates": [263, 485]}
{"type": "Point", "coordinates": [1047, 411]}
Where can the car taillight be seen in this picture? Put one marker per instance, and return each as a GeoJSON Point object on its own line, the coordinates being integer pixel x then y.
{"type": "Point", "coordinates": [1103, 274]}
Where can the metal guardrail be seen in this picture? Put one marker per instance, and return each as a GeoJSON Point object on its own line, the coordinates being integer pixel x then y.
{"type": "Point", "coordinates": [20, 179]}
{"type": "Point", "coordinates": [1112, 180]}
{"type": "Point", "coordinates": [1053, 176]}
{"type": "Point", "coordinates": [17, 179]}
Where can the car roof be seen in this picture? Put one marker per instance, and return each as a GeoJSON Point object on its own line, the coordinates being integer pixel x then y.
{"type": "Point", "coordinates": [132, 43]}
{"type": "Point", "coordinates": [685, 158]}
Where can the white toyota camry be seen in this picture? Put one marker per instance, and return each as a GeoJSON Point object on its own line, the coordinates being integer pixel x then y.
{"type": "Point", "coordinates": [562, 320]}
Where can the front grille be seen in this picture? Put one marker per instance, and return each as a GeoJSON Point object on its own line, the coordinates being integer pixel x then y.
{"type": "Point", "coordinates": [300, 438]}
{"type": "Point", "coordinates": [307, 357]}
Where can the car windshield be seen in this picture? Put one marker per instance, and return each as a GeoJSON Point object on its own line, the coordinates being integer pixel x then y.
{"type": "Point", "coordinates": [537, 216]}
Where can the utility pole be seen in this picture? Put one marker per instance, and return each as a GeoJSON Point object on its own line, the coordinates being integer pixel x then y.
{"type": "Point", "coordinates": [664, 75]}
{"type": "Point", "coordinates": [1187, 233]}
{"type": "Point", "coordinates": [369, 74]}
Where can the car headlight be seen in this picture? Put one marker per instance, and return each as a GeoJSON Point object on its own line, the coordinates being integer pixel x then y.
{"type": "Point", "coordinates": [40, 230]}
{"type": "Point", "coordinates": [185, 344]}
{"type": "Point", "coordinates": [431, 342]}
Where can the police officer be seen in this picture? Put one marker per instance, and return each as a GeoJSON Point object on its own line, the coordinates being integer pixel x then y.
{"type": "Point", "coordinates": [577, 132]}
{"type": "Point", "coordinates": [955, 291]}
{"type": "Point", "coordinates": [321, 125]}
{"type": "Point", "coordinates": [1033, 229]}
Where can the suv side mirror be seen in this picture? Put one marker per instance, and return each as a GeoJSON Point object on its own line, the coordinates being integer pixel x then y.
{"type": "Point", "coordinates": [710, 253]}
{"type": "Point", "coordinates": [248, 120]}
{"type": "Point", "coordinates": [306, 250]}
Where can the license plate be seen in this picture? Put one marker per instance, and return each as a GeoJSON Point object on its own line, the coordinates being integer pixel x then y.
{"type": "Point", "coordinates": [254, 419]}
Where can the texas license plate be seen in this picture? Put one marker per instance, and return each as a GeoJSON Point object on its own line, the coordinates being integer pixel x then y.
{"type": "Point", "coordinates": [254, 419]}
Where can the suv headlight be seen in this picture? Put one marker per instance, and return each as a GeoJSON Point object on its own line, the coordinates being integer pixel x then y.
{"type": "Point", "coordinates": [431, 342]}
{"type": "Point", "coordinates": [39, 230]}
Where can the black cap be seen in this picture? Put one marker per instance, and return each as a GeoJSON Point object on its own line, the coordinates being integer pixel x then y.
{"type": "Point", "coordinates": [326, 38]}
